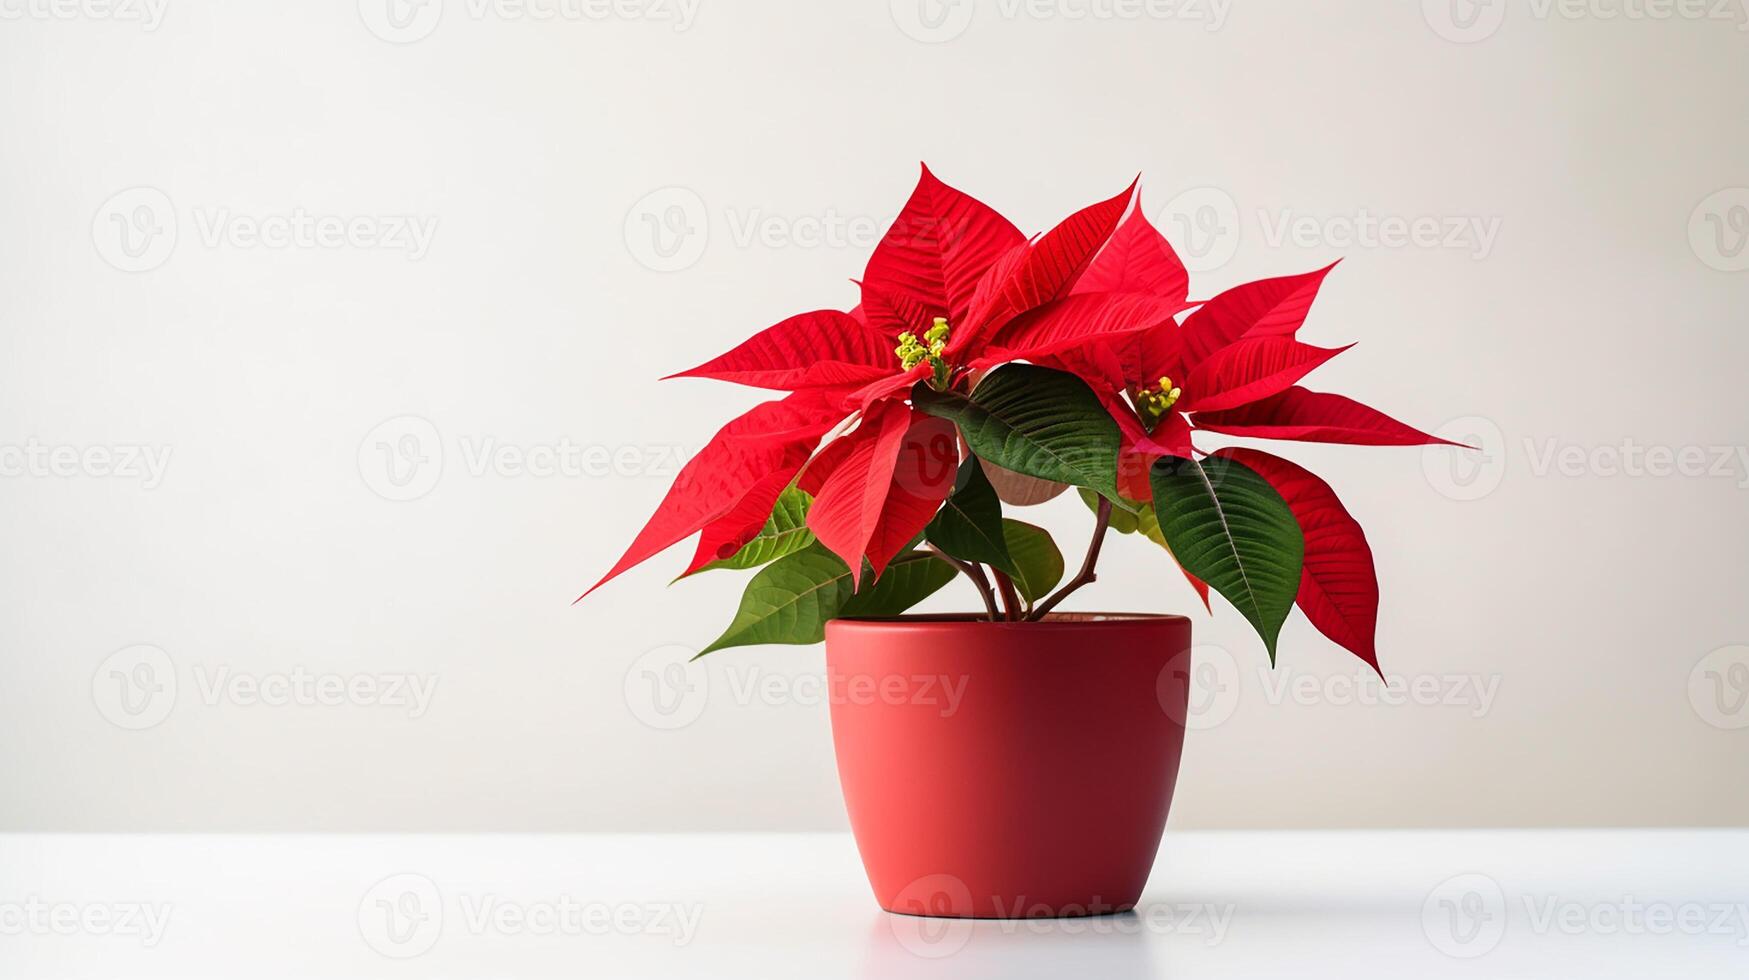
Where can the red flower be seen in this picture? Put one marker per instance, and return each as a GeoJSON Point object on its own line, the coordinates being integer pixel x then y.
{"type": "Point", "coordinates": [951, 289]}
{"type": "Point", "coordinates": [1232, 367]}
{"type": "Point", "coordinates": [954, 290]}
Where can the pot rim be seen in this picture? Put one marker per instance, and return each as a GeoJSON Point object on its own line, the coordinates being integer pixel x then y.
{"type": "Point", "coordinates": [1052, 621]}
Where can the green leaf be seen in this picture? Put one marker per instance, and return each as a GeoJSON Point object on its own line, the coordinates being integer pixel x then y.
{"type": "Point", "coordinates": [911, 578]}
{"type": "Point", "coordinates": [969, 525]}
{"type": "Point", "coordinates": [1123, 512]}
{"type": "Point", "coordinates": [785, 533]}
{"type": "Point", "coordinates": [1227, 526]}
{"type": "Point", "coordinates": [790, 600]}
{"type": "Point", "coordinates": [1037, 562]}
{"type": "Point", "coordinates": [1036, 421]}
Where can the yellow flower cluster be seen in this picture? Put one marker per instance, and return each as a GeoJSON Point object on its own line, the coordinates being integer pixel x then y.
{"type": "Point", "coordinates": [1155, 402]}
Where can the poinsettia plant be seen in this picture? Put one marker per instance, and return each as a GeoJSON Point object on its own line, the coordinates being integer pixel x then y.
{"type": "Point", "coordinates": [984, 367]}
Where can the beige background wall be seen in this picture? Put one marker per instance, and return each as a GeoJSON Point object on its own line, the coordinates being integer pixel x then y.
{"type": "Point", "coordinates": [372, 462]}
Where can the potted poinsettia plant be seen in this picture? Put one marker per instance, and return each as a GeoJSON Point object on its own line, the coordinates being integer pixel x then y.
{"type": "Point", "coordinates": [982, 368]}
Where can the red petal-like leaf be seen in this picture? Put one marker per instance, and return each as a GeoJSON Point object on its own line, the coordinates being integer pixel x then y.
{"type": "Point", "coordinates": [847, 509]}
{"type": "Point", "coordinates": [1267, 307]}
{"type": "Point", "coordinates": [772, 437]}
{"type": "Point", "coordinates": [1095, 363]}
{"type": "Point", "coordinates": [1073, 321]}
{"type": "Point", "coordinates": [1137, 259]}
{"type": "Point", "coordinates": [897, 387]}
{"type": "Point", "coordinates": [922, 479]}
{"type": "Point", "coordinates": [937, 249]}
{"type": "Point", "coordinates": [727, 534]}
{"type": "Point", "coordinates": [824, 463]}
{"type": "Point", "coordinates": [1311, 416]}
{"type": "Point", "coordinates": [1339, 590]}
{"type": "Point", "coordinates": [891, 314]}
{"type": "Point", "coordinates": [1048, 269]}
{"type": "Point", "coordinates": [824, 347]}
{"type": "Point", "coordinates": [1250, 370]}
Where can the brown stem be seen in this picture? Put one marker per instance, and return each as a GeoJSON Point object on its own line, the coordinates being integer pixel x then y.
{"type": "Point", "coordinates": [1085, 576]}
{"type": "Point", "coordinates": [1010, 598]}
{"type": "Point", "coordinates": [975, 573]}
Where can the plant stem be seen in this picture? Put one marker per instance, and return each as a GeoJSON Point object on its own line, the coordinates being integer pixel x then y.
{"type": "Point", "coordinates": [975, 573]}
{"type": "Point", "coordinates": [1086, 575]}
{"type": "Point", "coordinates": [1010, 598]}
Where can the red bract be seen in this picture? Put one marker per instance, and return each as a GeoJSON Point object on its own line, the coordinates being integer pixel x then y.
{"type": "Point", "coordinates": [947, 255]}
{"type": "Point", "coordinates": [952, 293]}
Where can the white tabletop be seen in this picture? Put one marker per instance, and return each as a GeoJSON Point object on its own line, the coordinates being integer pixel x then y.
{"type": "Point", "coordinates": [1356, 904]}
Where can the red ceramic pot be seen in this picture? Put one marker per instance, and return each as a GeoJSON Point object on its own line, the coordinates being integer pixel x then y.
{"type": "Point", "coordinates": [1007, 770]}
